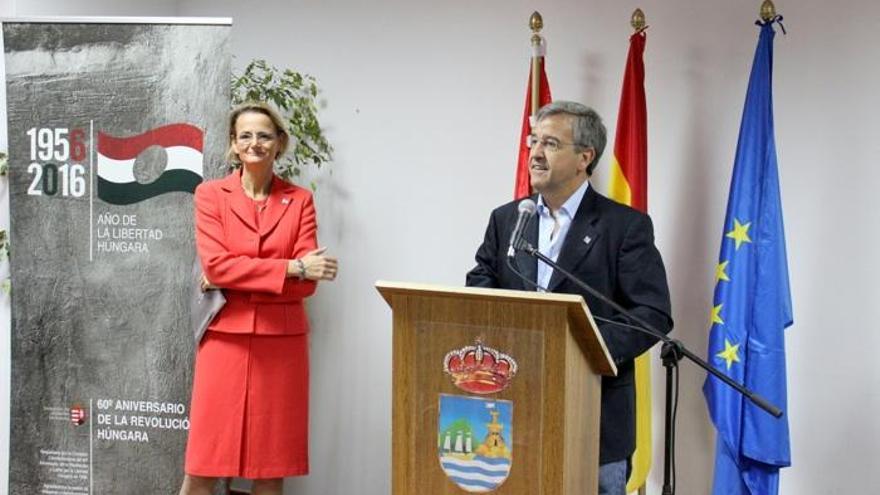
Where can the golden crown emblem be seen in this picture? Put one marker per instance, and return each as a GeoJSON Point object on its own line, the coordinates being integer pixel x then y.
{"type": "Point", "coordinates": [479, 369]}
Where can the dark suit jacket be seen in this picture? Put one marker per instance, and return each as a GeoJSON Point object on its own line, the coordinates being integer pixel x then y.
{"type": "Point", "coordinates": [611, 247]}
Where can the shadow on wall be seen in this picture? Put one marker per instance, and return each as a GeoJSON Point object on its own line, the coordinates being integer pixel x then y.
{"type": "Point", "coordinates": [694, 263]}
{"type": "Point", "coordinates": [596, 75]}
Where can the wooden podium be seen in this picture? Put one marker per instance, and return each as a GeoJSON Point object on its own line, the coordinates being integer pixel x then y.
{"type": "Point", "coordinates": [494, 391]}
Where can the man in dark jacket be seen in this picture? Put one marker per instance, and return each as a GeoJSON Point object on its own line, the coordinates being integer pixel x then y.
{"type": "Point", "coordinates": [606, 244]}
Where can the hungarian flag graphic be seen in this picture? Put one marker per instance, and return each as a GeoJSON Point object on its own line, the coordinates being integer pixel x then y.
{"type": "Point", "coordinates": [116, 157]}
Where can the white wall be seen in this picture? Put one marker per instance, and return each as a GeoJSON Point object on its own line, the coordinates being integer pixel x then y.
{"type": "Point", "coordinates": [423, 105]}
{"type": "Point", "coordinates": [91, 8]}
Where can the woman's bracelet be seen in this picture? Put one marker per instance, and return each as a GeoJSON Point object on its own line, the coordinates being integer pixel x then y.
{"type": "Point", "coordinates": [302, 269]}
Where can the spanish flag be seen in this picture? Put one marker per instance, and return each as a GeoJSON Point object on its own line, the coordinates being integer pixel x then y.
{"type": "Point", "coordinates": [523, 186]}
{"type": "Point", "coordinates": [629, 185]}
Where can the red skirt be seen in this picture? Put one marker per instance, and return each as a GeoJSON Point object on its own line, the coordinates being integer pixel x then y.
{"type": "Point", "coordinates": [250, 404]}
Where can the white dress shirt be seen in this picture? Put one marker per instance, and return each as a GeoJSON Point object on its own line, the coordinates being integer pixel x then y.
{"type": "Point", "coordinates": [550, 242]}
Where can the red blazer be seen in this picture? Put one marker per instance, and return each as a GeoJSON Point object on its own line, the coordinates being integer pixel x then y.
{"type": "Point", "coordinates": [250, 264]}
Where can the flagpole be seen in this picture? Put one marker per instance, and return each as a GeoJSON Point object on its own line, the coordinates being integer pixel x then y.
{"type": "Point", "coordinates": [536, 23]}
{"type": "Point", "coordinates": [744, 189]}
{"type": "Point", "coordinates": [638, 23]}
{"type": "Point", "coordinates": [537, 94]}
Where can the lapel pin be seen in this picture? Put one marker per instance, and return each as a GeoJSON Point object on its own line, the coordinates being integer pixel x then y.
{"type": "Point", "coordinates": [285, 201]}
{"type": "Point", "coordinates": [587, 239]}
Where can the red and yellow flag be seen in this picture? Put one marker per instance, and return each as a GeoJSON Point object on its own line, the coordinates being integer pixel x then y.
{"type": "Point", "coordinates": [629, 185]}
{"type": "Point", "coordinates": [629, 167]}
{"type": "Point", "coordinates": [523, 187]}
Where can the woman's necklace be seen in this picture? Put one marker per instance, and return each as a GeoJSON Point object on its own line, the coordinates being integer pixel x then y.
{"type": "Point", "coordinates": [260, 204]}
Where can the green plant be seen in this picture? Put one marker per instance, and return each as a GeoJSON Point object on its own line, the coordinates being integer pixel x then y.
{"type": "Point", "coordinates": [295, 95]}
{"type": "Point", "coordinates": [4, 245]}
{"type": "Point", "coordinates": [4, 237]}
{"type": "Point", "coordinates": [5, 284]}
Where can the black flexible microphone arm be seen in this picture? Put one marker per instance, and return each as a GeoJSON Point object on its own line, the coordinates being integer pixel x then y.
{"type": "Point", "coordinates": [677, 346]}
{"type": "Point", "coordinates": [671, 353]}
{"type": "Point", "coordinates": [541, 288]}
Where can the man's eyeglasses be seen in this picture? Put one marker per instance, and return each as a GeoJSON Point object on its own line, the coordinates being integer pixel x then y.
{"type": "Point", "coordinates": [260, 137]}
{"type": "Point", "coordinates": [549, 144]}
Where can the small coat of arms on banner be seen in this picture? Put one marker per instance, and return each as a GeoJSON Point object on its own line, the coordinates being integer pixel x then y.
{"type": "Point", "coordinates": [479, 369]}
{"type": "Point", "coordinates": [474, 441]}
{"type": "Point", "coordinates": [77, 414]}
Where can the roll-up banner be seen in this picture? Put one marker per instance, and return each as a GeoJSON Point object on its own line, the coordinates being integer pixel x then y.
{"type": "Point", "coordinates": [112, 123]}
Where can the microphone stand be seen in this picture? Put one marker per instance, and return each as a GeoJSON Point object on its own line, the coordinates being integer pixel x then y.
{"type": "Point", "coordinates": [671, 352]}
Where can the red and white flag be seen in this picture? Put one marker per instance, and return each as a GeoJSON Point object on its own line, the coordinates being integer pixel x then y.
{"type": "Point", "coordinates": [523, 187]}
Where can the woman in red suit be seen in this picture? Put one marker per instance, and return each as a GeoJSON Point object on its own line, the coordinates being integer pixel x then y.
{"type": "Point", "coordinates": [256, 238]}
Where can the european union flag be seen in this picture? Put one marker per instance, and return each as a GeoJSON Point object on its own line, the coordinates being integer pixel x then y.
{"type": "Point", "coordinates": [752, 305]}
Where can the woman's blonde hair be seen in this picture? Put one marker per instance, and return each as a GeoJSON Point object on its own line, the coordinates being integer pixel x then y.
{"type": "Point", "coordinates": [268, 111]}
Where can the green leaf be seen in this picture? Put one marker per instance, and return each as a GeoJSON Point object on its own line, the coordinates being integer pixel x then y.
{"type": "Point", "coordinates": [295, 95]}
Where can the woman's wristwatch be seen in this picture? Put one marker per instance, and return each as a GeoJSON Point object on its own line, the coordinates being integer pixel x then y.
{"type": "Point", "coordinates": [302, 269]}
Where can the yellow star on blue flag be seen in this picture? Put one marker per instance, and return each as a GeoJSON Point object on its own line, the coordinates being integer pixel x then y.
{"type": "Point", "coordinates": [729, 354]}
{"type": "Point", "coordinates": [721, 272]}
{"type": "Point", "coordinates": [716, 315]}
{"type": "Point", "coordinates": [740, 233]}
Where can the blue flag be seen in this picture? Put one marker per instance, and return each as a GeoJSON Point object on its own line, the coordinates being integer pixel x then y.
{"type": "Point", "coordinates": [752, 304]}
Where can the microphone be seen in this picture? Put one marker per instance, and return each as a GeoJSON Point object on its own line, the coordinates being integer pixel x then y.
{"type": "Point", "coordinates": [526, 209]}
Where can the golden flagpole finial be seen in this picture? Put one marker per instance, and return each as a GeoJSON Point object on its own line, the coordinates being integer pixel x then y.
{"type": "Point", "coordinates": [536, 24]}
{"type": "Point", "coordinates": [637, 21]}
{"type": "Point", "coordinates": [768, 11]}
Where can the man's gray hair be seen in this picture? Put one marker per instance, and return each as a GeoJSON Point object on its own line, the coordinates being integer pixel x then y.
{"type": "Point", "coordinates": [587, 128]}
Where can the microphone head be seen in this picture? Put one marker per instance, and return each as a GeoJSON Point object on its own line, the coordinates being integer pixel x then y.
{"type": "Point", "coordinates": [527, 206]}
